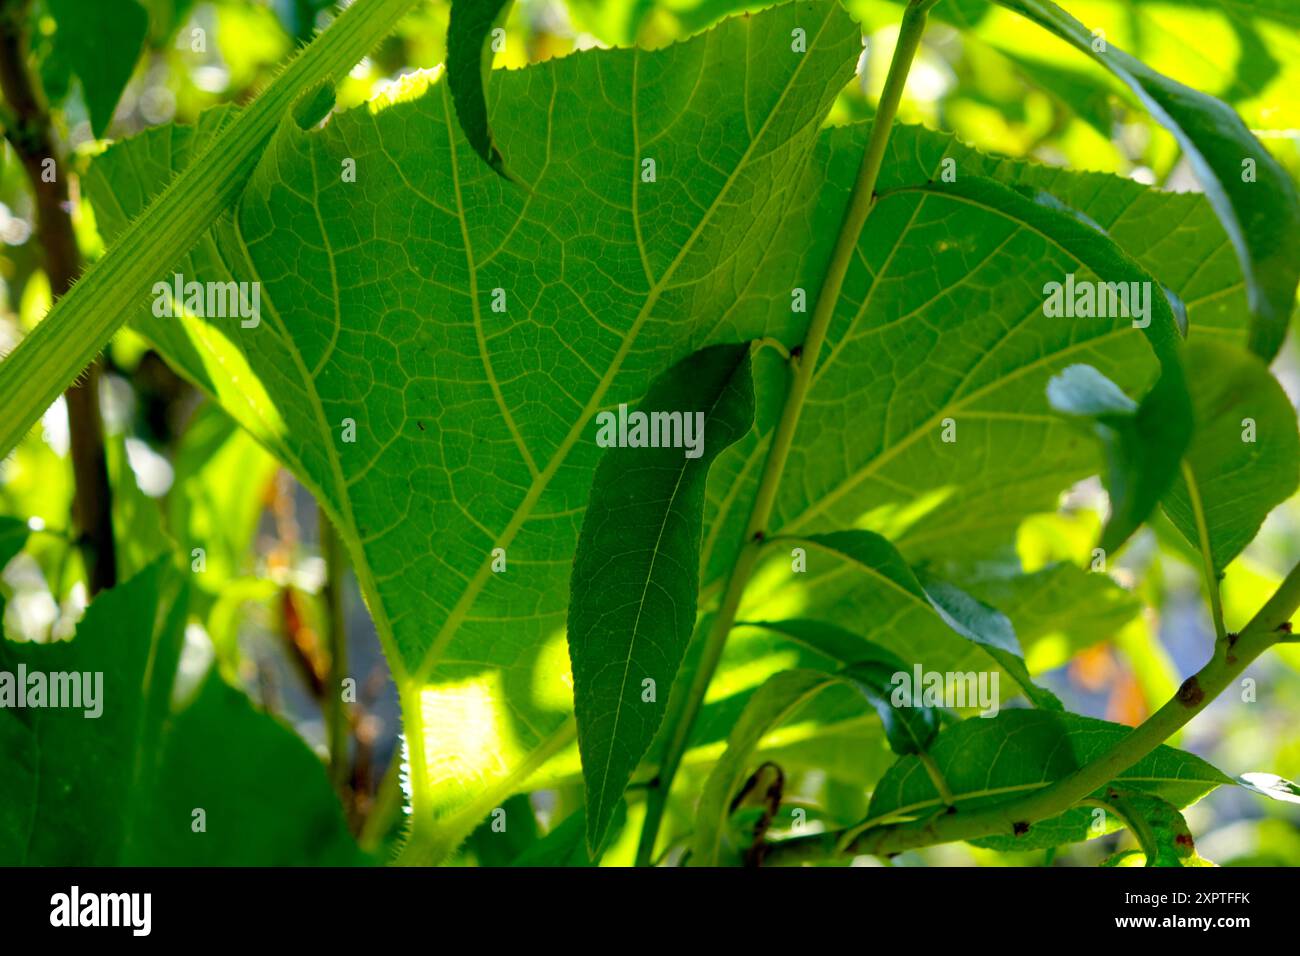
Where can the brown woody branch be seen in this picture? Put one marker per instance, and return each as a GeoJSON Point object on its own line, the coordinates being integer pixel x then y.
{"type": "Point", "coordinates": [30, 132]}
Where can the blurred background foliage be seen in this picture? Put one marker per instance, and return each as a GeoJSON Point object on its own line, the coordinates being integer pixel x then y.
{"type": "Point", "coordinates": [181, 471]}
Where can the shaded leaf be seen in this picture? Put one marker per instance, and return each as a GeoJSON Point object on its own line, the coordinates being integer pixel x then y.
{"type": "Point", "coordinates": [469, 60]}
{"type": "Point", "coordinates": [636, 569]}
{"type": "Point", "coordinates": [566, 844]}
{"type": "Point", "coordinates": [1158, 826]}
{"type": "Point", "coordinates": [123, 787]}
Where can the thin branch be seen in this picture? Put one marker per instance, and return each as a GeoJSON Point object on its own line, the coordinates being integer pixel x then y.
{"type": "Point", "coordinates": [1232, 656]}
{"type": "Point", "coordinates": [31, 134]}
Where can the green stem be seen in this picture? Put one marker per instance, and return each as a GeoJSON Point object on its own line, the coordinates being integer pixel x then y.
{"type": "Point", "coordinates": [861, 202]}
{"type": "Point", "coordinates": [336, 711]}
{"type": "Point", "coordinates": [82, 322]}
{"type": "Point", "coordinates": [1230, 658]}
{"type": "Point", "coordinates": [936, 777]}
{"type": "Point", "coordinates": [1207, 555]}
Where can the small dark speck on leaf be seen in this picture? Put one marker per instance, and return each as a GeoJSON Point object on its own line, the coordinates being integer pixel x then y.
{"type": "Point", "coordinates": [1020, 827]}
{"type": "Point", "coordinates": [759, 536]}
{"type": "Point", "coordinates": [420, 425]}
{"type": "Point", "coordinates": [951, 809]}
{"type": "Point", "coordinates": [1184, 839]}
{"type": "Point", "coordinates": [796, 351]}
{"type": "Point", "coordinates": [1232, 638]}
{"type": "Point", "coordinates": [1285, 627]}
{"type": "Point", "coordinates": [1190, 694]}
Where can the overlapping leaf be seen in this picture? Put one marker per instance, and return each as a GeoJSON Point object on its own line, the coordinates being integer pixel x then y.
{"type": "Point", "coordinates": [474, 427]}
{"type": "Point", "coordinates": [1248, 188]}
{"type": "Point", "coordinates": [636, 570]}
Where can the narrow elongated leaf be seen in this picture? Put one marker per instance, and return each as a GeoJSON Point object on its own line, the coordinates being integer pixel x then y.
{"type": "Point", "coordinates": [973, 620]}
{"type": "Point", "coordinates": [1250, 191]}
{"type": "Point", "coordinates": [469, 60]}
{"type": "Point", "coordinates": [1245, 457]}
{"type": "Point", "coordinates": [986, 761]}
{"type": "Point", "coordinates": [637, 566]}
{"type": "Point", "coordinates": [101, 39]}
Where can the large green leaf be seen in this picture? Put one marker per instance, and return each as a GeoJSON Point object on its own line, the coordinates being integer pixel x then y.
{"type": "Point", "coordinates": [636, 571]}
{"type": "Point", "coordinates": [1258, 206]}
{"type": "Point", "coordinates": [1245, 456]}
{"type": "Point", "coordinates": [920, 340]}
{"type": "Point", "coordinates": [474, 427]}
{"type": "Point", "coordinates": [995, 760]}
{"type": "Point", "coordinates": [126, 786]}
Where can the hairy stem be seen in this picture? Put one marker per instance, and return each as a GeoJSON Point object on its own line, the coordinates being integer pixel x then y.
{"type": "Point", "coordinates": [31, 134]}
{"type": "Point", "coordinates": [336, 711]}
{"type": "Point", "coordinates": [1231, 656]}
{"type": "Point", "coordinates": [860, 204]}
{"type": "Point", "coordinates": [83, 321]}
